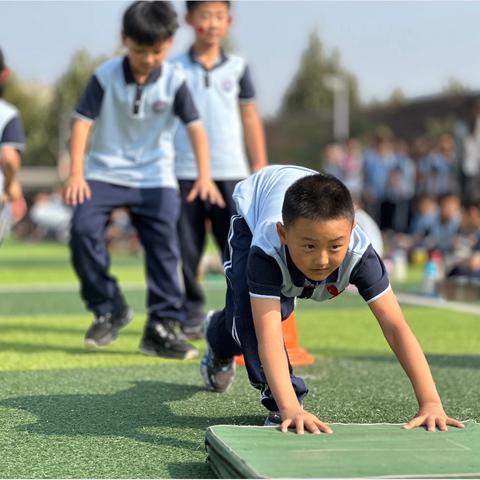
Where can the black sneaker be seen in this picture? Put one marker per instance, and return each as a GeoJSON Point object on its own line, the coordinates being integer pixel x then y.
{"type": "Point", "coordinates": [164, 339]}
{"type": "Point", "coordinates": [217, 373]}
{"type": "Point", "coordinates": [104, 329]}
{"type": "Point", "coordinates": [194, 329]}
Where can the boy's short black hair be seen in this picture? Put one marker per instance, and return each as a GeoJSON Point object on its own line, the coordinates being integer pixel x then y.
{"type": "Point", "coordinates": [2, 61]}
{"type": "Point", "coordinates": [317, 197]}
{"type": "Point", "coordinates": [148, 22]}
{"type": "Point", "coordinates": [192, 6]}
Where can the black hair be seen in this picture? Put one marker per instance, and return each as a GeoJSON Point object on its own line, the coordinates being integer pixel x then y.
{"type": "Point", "coordinates": [192, 6]}
{"type": "Point", "coordinates": [2, 67]}
{"type": "Point", "coordinates": [149, 22]}
{"type": "Point", "coordinates": [317, 197]}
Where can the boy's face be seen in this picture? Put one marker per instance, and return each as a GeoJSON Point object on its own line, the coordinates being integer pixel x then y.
{"type": "Point", "coordinates": [317, 247]}
{"type": "Point", "coordinates": [146, 58]}
{"type": "Point", "coordinates": [210, 20]}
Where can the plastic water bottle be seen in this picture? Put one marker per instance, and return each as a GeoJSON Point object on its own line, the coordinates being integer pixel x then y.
{"type": "Point", "coordinates": [430, 278]}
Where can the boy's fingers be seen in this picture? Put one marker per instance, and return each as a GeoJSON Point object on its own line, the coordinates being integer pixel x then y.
{"type": "Point", "coordinates": [431, 424]}
{"type": "Point", "coordinates": [192, 194]}
{"type": "Point", "coordinates": [417, 421]}
{"type": "Point", "coordinates": [285, 424]}
{"type": "Point", "coordinates": [312, 427]}
{"type": "Point", "coordinates": [455, 423]}
{"type": "Point", "coordinates": [324, 427]}
{"type": "Point", "coordinates": [442, 425]}
{"type": "Point", "coordinates": [299, 426]}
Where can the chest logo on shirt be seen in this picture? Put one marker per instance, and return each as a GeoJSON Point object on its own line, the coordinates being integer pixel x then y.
{"type": "Point", "coordinates": [227, 85]}
{"type": "Point", "coordinates": [159, 106]}
{"type": "Point", "coordinates": [333, 290]}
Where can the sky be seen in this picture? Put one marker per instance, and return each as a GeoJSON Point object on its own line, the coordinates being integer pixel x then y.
{"type": "Point", "coordinates": [414, 46]}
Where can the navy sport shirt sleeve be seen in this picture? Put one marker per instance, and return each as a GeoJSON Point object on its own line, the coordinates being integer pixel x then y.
{"type": "Point", "coordinates": [370, 275]}
{"type": "Point", "coordinates": [13, 133]}
{"type": "Point", "coordinates": [264, 277]}
{"type": "Point", "coordinates": [184, 106]}
{"type": "Point", "coordinates": [247, 91]}
{"type": "Point", "coordinates": [90, 102]}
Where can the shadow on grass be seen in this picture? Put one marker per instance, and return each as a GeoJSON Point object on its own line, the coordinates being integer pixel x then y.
{"type": "Point", "coordinates": [141, 413]}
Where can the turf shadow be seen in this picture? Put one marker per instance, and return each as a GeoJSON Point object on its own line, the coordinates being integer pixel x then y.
{"type": "Point", "coordinates": [141, 412]}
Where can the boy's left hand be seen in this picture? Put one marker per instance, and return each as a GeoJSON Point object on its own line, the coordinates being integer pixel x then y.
{"type": "Point", "coordinates": [432, 415]}
{"type": "Point", "coordinates": [206, 190]}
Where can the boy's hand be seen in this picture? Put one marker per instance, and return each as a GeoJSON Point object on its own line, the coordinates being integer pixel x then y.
{"type": "Point", "coordinates": [302, 420]}
{"type": "Point", "coordinates": [76, 191]}
{"type": "Point", "coordinates": [206, 190]}
{"type": "Point", "coordinates": [432, 415]}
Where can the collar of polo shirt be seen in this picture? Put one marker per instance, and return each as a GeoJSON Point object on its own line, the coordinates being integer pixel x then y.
{"type": "Point", "coordinates": [128, 74]}
{"type": "Point", "coordinates": [223, 58]}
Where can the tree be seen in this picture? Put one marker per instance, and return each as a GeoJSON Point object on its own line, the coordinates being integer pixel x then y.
{"type": "Point", "coordinates": [67, 91]}
{"type": "Point", "coordinates": [309, 91]}
{"type": "Point", "coordinates": [33, 102]}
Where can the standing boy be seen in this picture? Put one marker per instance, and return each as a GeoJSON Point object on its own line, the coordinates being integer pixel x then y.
{"type": "Point", "coordinates": [12, 142]}
{"type": "Point", "coordinates": [224, 95]}
{"type": "Point", "coordinates": [132, 102]}
{"type": "Point", "coordinates": [294, 236]}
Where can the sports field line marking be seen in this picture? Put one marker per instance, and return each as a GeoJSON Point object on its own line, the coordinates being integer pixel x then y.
{"type": "Point", "coordinates": [422, 301]}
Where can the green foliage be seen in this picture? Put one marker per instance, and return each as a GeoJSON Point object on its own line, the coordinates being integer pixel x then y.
{"type": "Point", "coordinates": [309, 91]}
{"type": "Point", "coordinates": [32, 102]}
{"type": "Point", "coordinates": [67, 91]}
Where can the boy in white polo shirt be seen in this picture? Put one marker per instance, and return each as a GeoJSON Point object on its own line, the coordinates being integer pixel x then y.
{"type": "Point", "coordinates": [130, 107]}
{"type": "Point", "coordinates": [224, 95]}
{"type": "Point", "coordinates": [295, 236]}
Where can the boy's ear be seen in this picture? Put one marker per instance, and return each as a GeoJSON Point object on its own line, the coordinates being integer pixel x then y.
{"type": "Point", "coordinates": [282, 233]}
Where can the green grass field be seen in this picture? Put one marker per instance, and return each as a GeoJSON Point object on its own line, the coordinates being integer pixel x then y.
{"type": "Point", "coordinates": [70, 413]}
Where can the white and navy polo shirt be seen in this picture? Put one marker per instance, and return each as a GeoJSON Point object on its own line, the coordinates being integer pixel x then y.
{"type": "Point", "coordinates": [132, 140]}
{"type": "Point", "coordinates": [270, 270]}
{"type": "Point", "coordinates": [217, 92]}
{"type": "Point", "coordinates": [11, 131]}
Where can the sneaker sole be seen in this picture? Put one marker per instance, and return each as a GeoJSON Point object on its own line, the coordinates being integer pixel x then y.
{"type": "Point", "coordinates": [191, 354]}
{"type": "Point", "coordinates": [208, 385]}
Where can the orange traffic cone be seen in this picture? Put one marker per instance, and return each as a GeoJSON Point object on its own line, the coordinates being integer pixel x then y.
{"type": "Point", "coordinates": [296, 354]}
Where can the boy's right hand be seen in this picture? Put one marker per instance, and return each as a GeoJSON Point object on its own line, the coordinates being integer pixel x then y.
{"type": "Point", "coordinates": [302, 420]}
{"type": "Point", "coordinates": [76, 191]}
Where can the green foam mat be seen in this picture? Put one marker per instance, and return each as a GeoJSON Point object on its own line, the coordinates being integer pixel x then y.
{"type": "Point", "coordinates": [352, 451]}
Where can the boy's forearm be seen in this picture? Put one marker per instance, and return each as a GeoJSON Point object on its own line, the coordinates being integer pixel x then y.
{"type": "Point", "coordinates": [271, 350]}
{"type": "Point", "coordinates": [254, 137]}
{"type": "Point", "coordinates": [9, 164]}
{"type": "Point", "coordinates": [199, 141]}
{"type": "Point", "coordinates": [78, 146]}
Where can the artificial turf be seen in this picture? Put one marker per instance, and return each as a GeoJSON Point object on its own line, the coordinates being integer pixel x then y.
{"type": "Point", "coordinates": [70, 413]}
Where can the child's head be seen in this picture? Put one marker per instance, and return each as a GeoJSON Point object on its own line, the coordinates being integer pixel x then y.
{"type": "Point", "coordinates": [147, 33]}
{"type": "Point", "coordinates": [318, 217]}
{"type": "Point", "coordinates": [449, 206]}
{"type": "Point", "coordinates": [210, 20]}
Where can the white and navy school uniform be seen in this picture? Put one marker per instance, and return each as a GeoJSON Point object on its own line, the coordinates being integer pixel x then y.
{"type": "Point", "coordinates": [218, 92]}
{"type": "Point", "coordinates": [260, 266]}
{"type": "Point", "coordinates": [11, 132]}
{"type": "Point", "coordinates": [130, 164]}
